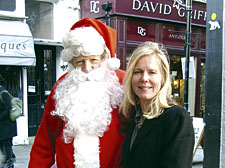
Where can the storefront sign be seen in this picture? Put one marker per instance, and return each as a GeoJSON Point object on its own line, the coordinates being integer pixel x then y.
{"type": "Point", "coordinates": [16, 44]}
{"type": "Point", "coordinates": [176, 36]}
{"type": "Point", "coordinates": [172, 10]}
{"type": "Point", "coordinates": [141, 30]}
{"type": "Point", "coordinates": [94, 6]}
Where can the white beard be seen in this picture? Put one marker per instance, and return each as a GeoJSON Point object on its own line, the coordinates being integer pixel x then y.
{"type": "Point", "coordinates": [85, 101]}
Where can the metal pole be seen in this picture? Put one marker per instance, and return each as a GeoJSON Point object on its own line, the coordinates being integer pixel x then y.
{"type": "Point", "coordinates": [108, 18]}
{"type": "Point", "coordinates": [187, 50]}
{"type": "Point", "coordinates": [107, 7]}
{"type": "Point", "coordinates": [214, 117]}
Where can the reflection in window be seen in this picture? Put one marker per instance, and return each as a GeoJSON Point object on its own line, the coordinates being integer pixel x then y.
{"type": "Point", "coordinates": [7, 5]}
{"type": "Point", "coordinates": [177, 79]}
{"type": "Point", "coordinates": [202, 90]}
{"type": "Point", "coordinates": [11, 79]}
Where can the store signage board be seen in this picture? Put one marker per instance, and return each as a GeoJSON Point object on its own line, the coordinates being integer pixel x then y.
{"type": "Point", "coordinates": [16, 44]}
{"type": "Point", "coordinates": [167, 10]}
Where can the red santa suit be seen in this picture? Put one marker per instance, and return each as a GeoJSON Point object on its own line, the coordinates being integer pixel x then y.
{"type": "Point", "coordinates": [49, 141]}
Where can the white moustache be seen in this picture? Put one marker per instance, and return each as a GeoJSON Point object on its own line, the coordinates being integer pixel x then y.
{"type": "Point", "coordinates": [94, 75]}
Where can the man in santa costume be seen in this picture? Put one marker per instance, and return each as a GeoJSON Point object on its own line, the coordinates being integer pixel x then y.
{"type": "Point", "coordinates": [80, 127]}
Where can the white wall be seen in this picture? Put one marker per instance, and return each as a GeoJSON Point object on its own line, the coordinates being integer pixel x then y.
{"type": "Point", "coordinates": [66, 13]}
{"type": "Point", "coordinates": [22, 122]}
{"type": "Point", "coordinates": [59, 63]}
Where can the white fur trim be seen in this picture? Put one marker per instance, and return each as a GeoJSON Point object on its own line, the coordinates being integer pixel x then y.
{"type": "Point", "coordinates": [83, 41]}
{"type": "Point", "coordinates": [86, 151]}
{"type": "Point", "coordinates": [87, 117]}
{"type": "Point", "coordinates": [113, 63]}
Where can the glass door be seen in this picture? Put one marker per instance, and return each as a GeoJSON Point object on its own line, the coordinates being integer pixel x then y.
{"type": "Point", "coordinates": [40, 82]}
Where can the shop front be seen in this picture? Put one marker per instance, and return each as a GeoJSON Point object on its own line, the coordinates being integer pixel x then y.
{"type": "Point", "coordinates": [16, 55]}
{"type": "Point", "coordinates": [41, 79]}
{"type": "Point", "coordinates": [162, 21]}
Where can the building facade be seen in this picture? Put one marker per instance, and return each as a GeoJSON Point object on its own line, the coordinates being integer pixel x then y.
{"type": "Point", "coordinates": [31, 33]}
{"type": "Point", "coordinates": [16, 55]}
{"type": "Point", "coordinates": [162, 21]}
{"type": "Point", "coordinates": [30, 57]}
{"type": "Point", "coordinates": [48, 20]}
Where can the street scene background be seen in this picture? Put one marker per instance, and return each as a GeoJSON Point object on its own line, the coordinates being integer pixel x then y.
{"type": "Point", "coordinates": [22, 153]}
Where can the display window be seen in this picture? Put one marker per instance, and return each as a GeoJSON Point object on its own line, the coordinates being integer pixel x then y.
{"type": "Point", "coordinates": [11, 78]}
{"type": "Point", "coordinates": [9, 5]}
{"type": "Point", "coordinates": [202, 90]}
{"type": "Point", "coordinates": [177, 79]}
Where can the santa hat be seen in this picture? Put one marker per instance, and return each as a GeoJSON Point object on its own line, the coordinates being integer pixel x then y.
{"type": "Point", "coordinates": [90, 37]}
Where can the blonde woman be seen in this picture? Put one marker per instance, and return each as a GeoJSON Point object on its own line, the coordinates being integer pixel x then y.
{"type": "Point", "coordinates": [160, 133]}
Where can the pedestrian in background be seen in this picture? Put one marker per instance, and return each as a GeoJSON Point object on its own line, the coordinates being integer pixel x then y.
{"type": "Point", "coordinates": [8, 128]}
{"type": "Point", "coordinates": [160, 133]}
{"type": "Point", "coordinates": [80, 126]}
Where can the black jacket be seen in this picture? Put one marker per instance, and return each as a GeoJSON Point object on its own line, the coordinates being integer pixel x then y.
{"type": "Point", "coordinates": [8, 128]}
{"type": "Point", "coordinates": [163, 142]}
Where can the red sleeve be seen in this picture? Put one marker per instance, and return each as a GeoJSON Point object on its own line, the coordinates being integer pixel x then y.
{"type": "Point", "coordinates": [43, 150]}
{"type": "Point", "coordinates": [121, 74]}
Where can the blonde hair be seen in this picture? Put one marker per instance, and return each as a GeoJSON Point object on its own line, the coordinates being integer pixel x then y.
{"type": "Point", "coordinates": [163, 98]}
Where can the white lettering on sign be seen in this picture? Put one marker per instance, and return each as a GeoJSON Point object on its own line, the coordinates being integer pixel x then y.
{"type": "Point", "coordinates": [145, 6]}
{"type": "Point", "coordinates": [94, 6]}
{"type": "Point", "coordinates": [200, 14]}
{"type": "Point", "coordinates": [151, 7]}
{"type": "Point", "coordinates": [141, 31]}
{"type": "Point", "coordinates": [16, 46]}
{"type": "Point", "coordinates": [177, 4]}
{"type": "Point", "coordinates": [181, 12]}
{"type": "Point", "coordinates": [154, 7]}
{"type": "Point", "coordinates": [176, 36]}
{"type": "Point", "coordinates": [5, 47]}
{"type": "Point", "coordinates": [167, 9]}
{"type": "Point", "coordinates": [136, 5]}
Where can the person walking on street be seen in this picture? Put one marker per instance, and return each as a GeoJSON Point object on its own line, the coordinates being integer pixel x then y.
{"type": "Point", "coordinates": [81, 127]}
{"type": "Point", "coordinates": [8, 129]}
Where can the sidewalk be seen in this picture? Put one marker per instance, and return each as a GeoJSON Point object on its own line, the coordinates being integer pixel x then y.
{"type": "Point", "coordinates": [22, 153]}
{"type": "Point", "coordinates": [198, 159]}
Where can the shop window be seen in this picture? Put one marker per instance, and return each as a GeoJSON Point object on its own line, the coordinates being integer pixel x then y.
{"type": "Point", "coordinates": [177, 79]}
{"type": "Point", "coordinates": [11, 79]}
{"type": "Point", "coordinates": [129, 52]}
{"type": "Point", "coordinates": [41, 78]}
{"type": "Point", "coordinates": [140, 30]}
{"type": "Point", "coordinates": [202, 90]}
{"type": "Point", "coordinates": [8, 5]}
{"type": "Point", "coordinates": [49, 79]}
{"type": "Point", "coordinates": [40, 18]}
{"type": "Point", "coordinates": [174, 35]}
